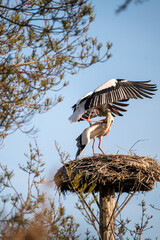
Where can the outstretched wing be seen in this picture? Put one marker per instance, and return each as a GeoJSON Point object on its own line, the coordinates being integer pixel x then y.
{"type": "Point", "coordinates": [118, 90]}
{"type": "Point", "coordinates": [116, 108]}
{"type": "Point", "coordinates": [78, 108]}
{"type": "Point", "coordinates": [81, 101]}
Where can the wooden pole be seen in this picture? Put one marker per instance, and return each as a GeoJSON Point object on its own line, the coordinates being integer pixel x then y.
{"type": "Point", "coordinates": [107, 213]}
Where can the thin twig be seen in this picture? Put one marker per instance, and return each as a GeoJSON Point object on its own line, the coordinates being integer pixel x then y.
{"type": "Point", "coordinates": [125, 204]}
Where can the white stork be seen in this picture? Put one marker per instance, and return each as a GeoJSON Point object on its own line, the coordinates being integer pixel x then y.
{"type": "Point", "coordinates": [110, 96]}
{"type": "Point", "coordinates": [97, 130]}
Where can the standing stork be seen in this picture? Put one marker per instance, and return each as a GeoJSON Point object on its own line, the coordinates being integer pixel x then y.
{"type": "Point", "coordinates": [110, 97]}
{"type": "Point", "coordinates": [97, 130]}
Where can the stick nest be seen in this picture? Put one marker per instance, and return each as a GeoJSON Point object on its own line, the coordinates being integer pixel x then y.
{"type": "Point", "coordinates": [125, 173]}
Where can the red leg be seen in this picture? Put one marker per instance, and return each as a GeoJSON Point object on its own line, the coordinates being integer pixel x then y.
{"type": "Point", "coordinates": [99, 146]}
{"type": "Point", "coordinates": [93, 146]}
{"type": "Point", "coordinates": [88, 119]}
{"type": "Point", "coordinates": [90, 122]}
{"type": "Point", "coordinates": [101, 121]}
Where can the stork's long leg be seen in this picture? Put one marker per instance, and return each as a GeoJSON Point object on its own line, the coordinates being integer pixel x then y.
{"type": "Point", "coordinates": [93, 146]}
{"type": "Point", "coordinates": [90, 122]}
{"type": "Point", "coordinates": [88, 119]}
{"type": "Point", "coordinates": [99, 146]}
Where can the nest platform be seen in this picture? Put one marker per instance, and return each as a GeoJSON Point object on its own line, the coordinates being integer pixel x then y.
{"type": "Point", "coordinates": [126, 173]}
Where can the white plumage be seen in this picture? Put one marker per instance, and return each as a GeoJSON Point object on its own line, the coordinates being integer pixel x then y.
{"type": "Point", "coordinates": [108, 84]}
{"type": "Point", "coordinates": [78, 108]}
{"type": "Point", "coordinates": [110, 96]}
{"type": "Point", "coordinates": [107, 100]}
{"type": "Point", "coordinates": [97, 130]}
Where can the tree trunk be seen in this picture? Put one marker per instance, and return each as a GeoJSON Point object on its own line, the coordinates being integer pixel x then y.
{"type": "Point", "coordinates": [107, 213]}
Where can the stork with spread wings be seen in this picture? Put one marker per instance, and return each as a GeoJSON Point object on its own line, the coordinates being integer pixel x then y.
{"type": "Point", "coordinates": [108, 99]}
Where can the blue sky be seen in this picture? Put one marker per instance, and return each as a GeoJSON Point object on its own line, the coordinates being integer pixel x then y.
{"type": "Point", "coordinates": [135, 34]}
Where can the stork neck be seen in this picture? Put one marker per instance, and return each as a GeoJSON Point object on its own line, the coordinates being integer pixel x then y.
{"type": "Point", "coordinates": [109, 118]}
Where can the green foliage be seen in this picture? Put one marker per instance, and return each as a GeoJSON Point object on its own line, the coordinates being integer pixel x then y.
{"type": "Point", "coordinates": [41, 41]}
{"type": "Point", "coordinates": [32, 214]}
{"type": "Point", "coordinates": [89, 206]}
{"type": "Point", "coordinates": [86, 202]}
{"type": "Point", "coordinates": [35, 215]}
{"type": "Point", "coordinates": [124, 231]}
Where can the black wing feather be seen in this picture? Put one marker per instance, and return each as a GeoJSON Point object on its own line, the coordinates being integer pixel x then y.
{"type": "Point", "coordinates": [123, 90]}
{"type": "Point", "coordinates": [115, 108]}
